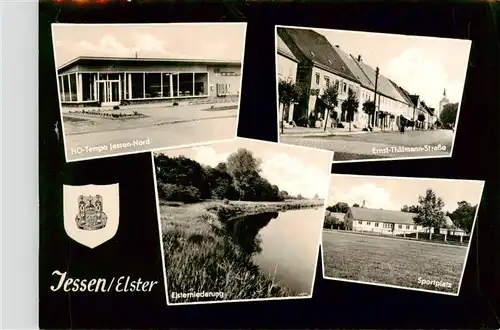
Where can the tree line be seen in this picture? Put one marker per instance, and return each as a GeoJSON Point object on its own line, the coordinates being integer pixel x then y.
{"type": "Point", "coordinates": [183, 179]}
{"type": "Point", "coordinates": [428, 212]}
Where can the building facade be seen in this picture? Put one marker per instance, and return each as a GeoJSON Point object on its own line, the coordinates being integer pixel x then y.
{"type": "Point", "coordinates": [386, 222]}
{"type": "Point", "coordinates": [322, 64]}
{"type": "Point", "coordinates": [101, 81]}
{"type": "Point", "coordinates": [319, 67]}
{"type": "Point", "coordinates": [286, 67]}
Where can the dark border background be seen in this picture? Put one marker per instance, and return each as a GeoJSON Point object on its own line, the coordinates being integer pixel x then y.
{"type": "Point", "coordinates": [135, 249]}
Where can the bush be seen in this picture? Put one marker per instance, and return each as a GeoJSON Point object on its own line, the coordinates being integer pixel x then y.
{"type": "Point", "coordinates": [340, 125]}
{"type": "Point", "coordinates": [331, 222]}
{"type": "Point", "coordinates": [175, 103]}
{"type": "Point", "coordinates": [116, 107]}
{"type": "Point", "coordinates": [177, 193]}
{"type": "Point", "coordinates": [365, 129]}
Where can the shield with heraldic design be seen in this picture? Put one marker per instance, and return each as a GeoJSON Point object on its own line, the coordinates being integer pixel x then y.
{"type": "Point", "coordinates": [91, 213]}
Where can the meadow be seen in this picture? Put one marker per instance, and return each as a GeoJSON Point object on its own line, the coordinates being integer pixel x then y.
{"type": "Point", "coordinates": [388, 261]}
{"type": "Point", "coordinates": [200, 255]}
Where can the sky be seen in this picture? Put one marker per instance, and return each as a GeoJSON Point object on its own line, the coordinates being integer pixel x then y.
{"type": "Point", "coordinates": [421, 65]}
{"type": "Point", "coordinates": [294, 169]}
{"type": "Point", "coordinates": [214, 41]}
{"type": "Point", "coordinates": [392, 193]}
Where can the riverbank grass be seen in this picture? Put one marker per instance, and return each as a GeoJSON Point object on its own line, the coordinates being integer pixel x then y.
{"type": "Point", "coordinates": [199, 258]}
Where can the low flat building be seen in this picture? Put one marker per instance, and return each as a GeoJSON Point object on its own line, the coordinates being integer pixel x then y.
{"type": "Point", "coordinates": [386, 221]}
{"type": "Point", "coordinates": [109, 81]}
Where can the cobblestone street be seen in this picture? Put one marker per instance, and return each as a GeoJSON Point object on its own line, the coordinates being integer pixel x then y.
{"type": "Point", "coordinates": [379, 144]}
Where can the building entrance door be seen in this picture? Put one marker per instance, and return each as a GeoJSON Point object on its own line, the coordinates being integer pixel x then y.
{"type": "Point", "coordinates": [109, 92]}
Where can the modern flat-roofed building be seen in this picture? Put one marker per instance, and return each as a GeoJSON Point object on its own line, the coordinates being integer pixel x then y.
{"type": "Point", "coordinates": [109, 81]}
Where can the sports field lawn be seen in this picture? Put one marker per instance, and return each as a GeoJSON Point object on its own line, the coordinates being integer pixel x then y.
{"type": "Point", "coordinates": [391, 261]}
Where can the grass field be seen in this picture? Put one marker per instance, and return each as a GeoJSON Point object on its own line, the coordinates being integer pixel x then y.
{"type": "Point", "coordinates": [391, 261]}
{"type": "Point", "coordinates": [200, 257]}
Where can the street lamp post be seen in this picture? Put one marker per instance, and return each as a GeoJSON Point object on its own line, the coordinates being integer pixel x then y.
{"type": "Point", "coordinates": [375, 97]}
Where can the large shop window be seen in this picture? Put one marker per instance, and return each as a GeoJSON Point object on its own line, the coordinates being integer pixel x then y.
{"type": "Point", "coordinates": [201, 84]}
{"type": "Point", "coordinates": [186, 84]}
{"type": "Point", "coordinates": [153, 85]}
{"type": "Point", "coordinates": [87, 87]}
{"type": "Point", "coordinates": [67, 93]}
{"type": "Point", "coordinates": [61, 93]}
{"type": "Point", "coordinates": [137, 82]}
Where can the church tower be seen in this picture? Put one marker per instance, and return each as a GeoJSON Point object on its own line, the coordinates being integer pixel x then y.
{"type": "Point", "coordinates": [444, 101]}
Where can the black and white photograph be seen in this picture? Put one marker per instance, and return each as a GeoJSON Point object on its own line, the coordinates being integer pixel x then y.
{"type": "Point", "coordinates": [411, 233]}
{"type": "Point", "coordinates": [240, 220]}
{"type": "Point", "coordinates": [127, 88]}
{"type": "Point", "coordinates": [369, 96]}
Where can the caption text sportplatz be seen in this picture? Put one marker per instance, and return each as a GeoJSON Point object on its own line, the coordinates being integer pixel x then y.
{"type": "Point", "coordinates": [110, 147]}
{"type": "Point", "coordinates": [436, 284]}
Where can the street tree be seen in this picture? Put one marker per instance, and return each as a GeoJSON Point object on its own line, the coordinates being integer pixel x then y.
{"type": "Point", "coordinates": [351, 106]}
{"type": "Point", "coordinates": [382, 116]}
{"type": "Point", "coordinates": [448, 115]}
{"type": "Point", "coordinates": [421, 119]}
{"type": "Point", "coordinates": [369, 109]}
{"type": "Point", "coordinates": [430, 212]}
{"type": "Point", "coordinates": [463, 216]}
{"type": "Point", "coordinates": [289, 93]}
{"type": "Point", "coordinates": [329, 98]}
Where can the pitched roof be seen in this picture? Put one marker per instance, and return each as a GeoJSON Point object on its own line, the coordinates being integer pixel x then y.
{"type": "Point", "coordinates": [283, 49]}
{"type": "Point", "coordinates": [398, 217]}
{"type": "Point", "coordinates": [317, 49]}
{"type": "Point", "coordinates": [384, 85]}
{"type": "Point", "coordinates": [404, 94]}
{"type": "Point", "coordinates": [355, 69]}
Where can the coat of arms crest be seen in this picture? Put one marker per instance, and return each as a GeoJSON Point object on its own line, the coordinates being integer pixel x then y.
{"type": "Point", "coordinates": [85, 218]}
{"type": "Point", "coordinates": [90, 215]}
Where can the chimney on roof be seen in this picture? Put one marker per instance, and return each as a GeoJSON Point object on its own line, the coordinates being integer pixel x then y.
{"type": "Point", "coordinates": [363, 204]}
{"type": "Point", "coordinates": [135, 54]}
{"type": "Point", "coordinates": [360, 59]}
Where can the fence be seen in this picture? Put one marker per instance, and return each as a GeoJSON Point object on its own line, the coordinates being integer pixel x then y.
{"type": "Point", "coordinates": [416, 236]}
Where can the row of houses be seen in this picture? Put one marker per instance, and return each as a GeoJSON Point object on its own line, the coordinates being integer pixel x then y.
{"type": "Point", "coordinates": [389, 222]}
{"type": "Point", "coordinates": [307, 57]}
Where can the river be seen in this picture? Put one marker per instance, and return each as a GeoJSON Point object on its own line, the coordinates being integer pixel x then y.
{"type": "Point", "coordinates": [283, 244]}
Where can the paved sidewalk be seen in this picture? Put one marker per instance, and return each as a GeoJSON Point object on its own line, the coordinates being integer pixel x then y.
{"type": "Point", "coordinates": [75, 123]}
{"type": "Point", "coordinates": [313, 132]}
